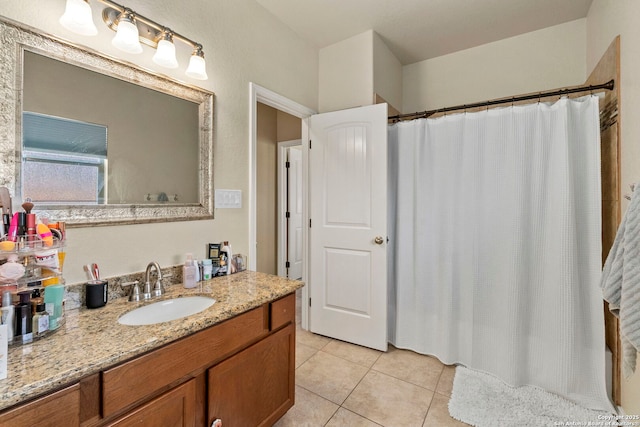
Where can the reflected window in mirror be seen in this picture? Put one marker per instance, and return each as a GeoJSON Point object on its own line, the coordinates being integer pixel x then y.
{"type": "Point", "coordinates": [63, 160]}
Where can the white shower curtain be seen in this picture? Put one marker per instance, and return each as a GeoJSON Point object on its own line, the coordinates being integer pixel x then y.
{"type": "Point", "coordinates": [495, 244]}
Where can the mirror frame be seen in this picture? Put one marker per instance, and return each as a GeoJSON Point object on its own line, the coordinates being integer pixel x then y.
{"type": "Point", "coordinates": [16, 38]}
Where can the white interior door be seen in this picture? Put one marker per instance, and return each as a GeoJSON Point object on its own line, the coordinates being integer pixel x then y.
{"type": "Point", "coordinates": [348, 225]}
{"type": "Point", "coordinates": [294, 206]}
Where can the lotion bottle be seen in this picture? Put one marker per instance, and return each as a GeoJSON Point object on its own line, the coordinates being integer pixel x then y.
{"type": "Point", "coordinates": [226, 247]}
{"type": "Point", "coordinates": [8, 317]}
{"type": "Point", "coordinates": [190, 272]}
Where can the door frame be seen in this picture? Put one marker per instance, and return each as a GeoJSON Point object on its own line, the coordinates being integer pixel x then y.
{"type": "Point", "coordinates": [268, 97]}
{"type": "Point", "coordinates": [282, 203]}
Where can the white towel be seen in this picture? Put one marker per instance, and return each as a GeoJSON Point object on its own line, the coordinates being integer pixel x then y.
{"type": "Point", "coordinates": [621, 282]}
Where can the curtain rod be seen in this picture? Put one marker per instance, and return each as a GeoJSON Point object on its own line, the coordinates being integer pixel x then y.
{"type": "Point", "coordinates": [424, 114]}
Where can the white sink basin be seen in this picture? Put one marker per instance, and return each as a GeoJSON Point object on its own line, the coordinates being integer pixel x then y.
{"type": "Point", "coordinates": [167, 310]}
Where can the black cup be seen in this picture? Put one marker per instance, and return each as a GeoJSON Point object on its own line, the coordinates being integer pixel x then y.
{"type": "Point", "coordinates": [96, 293]}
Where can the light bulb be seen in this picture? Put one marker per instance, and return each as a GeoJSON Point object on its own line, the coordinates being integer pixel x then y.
{"type": "Point", "coordinates": [166, 52]}
{"type": "Point", "coordinates": [77, 17]}
{"type": "Point", "coordinates": [126, 38]}
{"type": "Point", "coordinates": [197, 68]}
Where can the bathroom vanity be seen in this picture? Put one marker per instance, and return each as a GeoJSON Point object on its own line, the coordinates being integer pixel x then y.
{"type": "Point", "coordinates": [233, 361]}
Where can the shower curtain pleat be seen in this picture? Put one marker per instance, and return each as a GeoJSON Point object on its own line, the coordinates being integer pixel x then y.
{"type": "Point", "coordinates": [495, 250]}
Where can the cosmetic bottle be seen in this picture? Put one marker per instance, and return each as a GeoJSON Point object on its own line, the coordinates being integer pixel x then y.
{"type": "Point", "coordinates": [8, 314]}
{"type": "Point", "coordinates": [6, 222]}
{"type": "Point", "coordinates": [207, 269]}
{"type": "Point", "coordinates": [226, 248]}
{"type": "Point", "coordinates": [36, 299]}
{"type": "Point", "coordinates": [189, 272]}
{"type": "Point", "coordinates": [200, 271]}
{"type": "Point", "coordinates": [53, 296]}
{"type": "Point", "coordinates": [40, 323]}
{"type": "Point", "coordinates": [23, 318]}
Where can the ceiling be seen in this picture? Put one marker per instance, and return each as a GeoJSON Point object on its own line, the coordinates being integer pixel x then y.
{"type": "Point", "coordinates": [416, 30]}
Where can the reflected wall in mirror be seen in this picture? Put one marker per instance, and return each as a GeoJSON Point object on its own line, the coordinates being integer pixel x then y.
{"type": "Point", "coordinates": [152, 137]}
{"type": "Point", "coordinates": [139, 144]}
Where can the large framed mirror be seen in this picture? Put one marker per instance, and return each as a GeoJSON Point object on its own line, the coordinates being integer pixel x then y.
{"type": "Point", "coordinates": [96, 141]}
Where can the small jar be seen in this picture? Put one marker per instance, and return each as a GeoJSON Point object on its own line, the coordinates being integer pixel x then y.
{"type": "Point", "coordinates": [40, 321]}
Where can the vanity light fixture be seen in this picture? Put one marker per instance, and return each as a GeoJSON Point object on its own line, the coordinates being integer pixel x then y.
{"type": "Point", "coordinates": [77, 18]}
{"type": "Point", "coordinates": [197, 68]}
{"type": "Point", "coordinates": [133, 29]}
{"type": "Point", "coordinates": [166, 52]}
{"type": "Point", "coordinates": [127, 36]}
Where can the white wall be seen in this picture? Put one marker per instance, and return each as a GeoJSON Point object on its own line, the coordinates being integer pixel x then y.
{"type": "Point", "coordinates": [346, 73]}
{"type": "Point", "coordinates": [606, 20]}
{"type": "Point", "coordinates": [242, 43]}
{"type": "Point", "coordinates": [387, 73]}
{"type": "Point", "coordinates": [541, 60]}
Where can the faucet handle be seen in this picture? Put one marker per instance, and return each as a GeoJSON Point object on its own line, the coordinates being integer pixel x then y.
{"type": "Point", "coordinates": [158, 288]}
{"type": "Point", "coordinates": [134, 295]}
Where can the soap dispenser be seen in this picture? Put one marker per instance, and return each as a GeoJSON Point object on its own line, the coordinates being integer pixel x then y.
{"type": "Point", "coordinates": [190, 272]}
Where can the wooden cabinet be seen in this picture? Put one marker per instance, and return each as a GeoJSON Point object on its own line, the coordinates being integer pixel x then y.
{"type": "Point", "coordinates": [241, 371]}
{"type": "Point", "coordinates": [256, 386]}
{"type": "Point", "coordinates": [175, 408]}
{"type": "Point", "coordinates": [132, 382]}
{"type": "Point", "coordinates": [61, 408]}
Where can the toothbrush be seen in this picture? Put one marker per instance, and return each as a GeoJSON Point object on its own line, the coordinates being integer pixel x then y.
{"type": "Point", "coordinates": [89, 270]}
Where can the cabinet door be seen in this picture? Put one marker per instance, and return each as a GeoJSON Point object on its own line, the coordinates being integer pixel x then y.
{"type": "Point", "coordinates": [61, 408]}
{"type": "Point", "coordinates": [256, 386]}
{"type": "Point", "coordinates": [175, 408]}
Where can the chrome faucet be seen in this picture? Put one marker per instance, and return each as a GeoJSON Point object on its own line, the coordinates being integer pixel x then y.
{"type": "Point", "coordinates": [158, 289]}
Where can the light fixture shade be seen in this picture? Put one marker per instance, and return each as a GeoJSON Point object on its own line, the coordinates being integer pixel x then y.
{"type": "Point", "coordinates": [197, 67]}
{"type": "Point", "coordinates": [77, 17]}
{"type": "Point", "coordinates": [126, 38]}
{"type": "Point", "coordinates": [166, 54]}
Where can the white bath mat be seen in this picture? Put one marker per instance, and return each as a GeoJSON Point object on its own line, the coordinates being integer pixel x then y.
{"type": "Point", "coordinates": [485, 401]}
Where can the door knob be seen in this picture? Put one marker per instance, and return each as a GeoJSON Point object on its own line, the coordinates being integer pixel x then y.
{"type": "Point", "coordinates": [378, 240]}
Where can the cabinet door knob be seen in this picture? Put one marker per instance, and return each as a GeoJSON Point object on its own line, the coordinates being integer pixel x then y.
{"type": "Point", "coordinates": [216, 423]}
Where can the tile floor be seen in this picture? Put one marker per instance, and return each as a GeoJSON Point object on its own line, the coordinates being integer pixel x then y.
{"type": "Point", "coordinates": [340, 384]}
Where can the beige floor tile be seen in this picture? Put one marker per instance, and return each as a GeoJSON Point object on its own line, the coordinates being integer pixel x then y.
{"type": "Point", "coordinates": [311, 339]}
{"type": "Point", "coordinates": [303, 353]}
{"type": "Point", "coordinates": [409, 366]}
{"type": "Point", "coordinates": [438, 415]}
{"type": "Point", "coordinates": [353, 353]}
{"type": "Point", "coordinates": [329, 376]}
{"type": "Point", "coordinates": [389, 401]}
{"type": "Point", "coordinates": [310, 410]}
{"type": "Point", "coordinates": [445, 383]}
{"type": "Point", "coordinates": [344, 418]}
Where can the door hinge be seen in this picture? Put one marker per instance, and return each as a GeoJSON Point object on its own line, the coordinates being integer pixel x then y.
{"type": "Point", "coordinates": [287, 215]}
{"type": "Point", "coordinates": [309, 302]}
{"type": "Point", "coordinates": [287, 265]}
{"type": "Point", "coordinates": [309, 144]}
{"type": "Point", "coordinates": [309, 222]}
{"type": "Point", "coordinates": [287, 165]}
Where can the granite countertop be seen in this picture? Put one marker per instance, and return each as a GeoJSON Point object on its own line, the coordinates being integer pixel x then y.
{"type": "Point", "coordinates": [92, 340]}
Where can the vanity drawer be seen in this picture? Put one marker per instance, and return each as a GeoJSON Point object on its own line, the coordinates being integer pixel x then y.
{"type": "Point", "coordinates": [61, 408]}
{"type": "Point", "coordinates": [282, 311]}
{"type": "Point", "coordinates": [146, 375]}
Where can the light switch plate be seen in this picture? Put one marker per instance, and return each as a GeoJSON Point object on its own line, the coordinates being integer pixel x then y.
{"type": "Point", "coordinates": [226, 199]}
